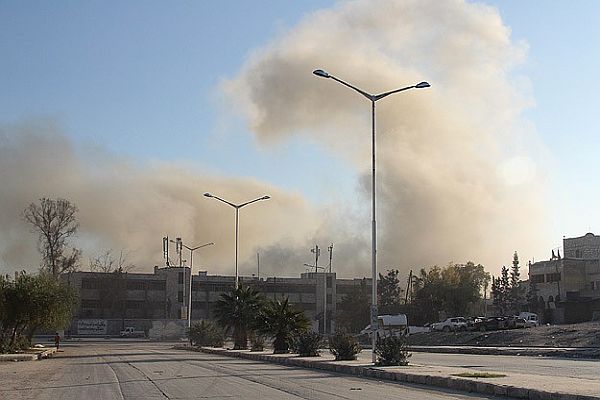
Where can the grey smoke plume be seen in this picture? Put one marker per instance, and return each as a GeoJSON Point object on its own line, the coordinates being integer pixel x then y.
{"type": "Point", "coordinates": [123, 205]}
{"type": "Point", "coordinates": [457, 176]}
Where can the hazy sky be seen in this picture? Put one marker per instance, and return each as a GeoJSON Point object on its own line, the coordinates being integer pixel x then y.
{"type": "Point", "coordinates": [159, 85]}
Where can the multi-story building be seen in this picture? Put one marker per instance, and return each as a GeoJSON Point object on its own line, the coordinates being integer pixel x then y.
{"type": "Point", "coordinates": [570, 284]}
{"type": "Point", "coordinates": [142, 299]}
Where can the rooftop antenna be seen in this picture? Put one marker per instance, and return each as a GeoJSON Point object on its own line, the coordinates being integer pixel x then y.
{"type": "Point", "coordinates": [330, 250]}
{"type": "Point", "coordinates": [317, 252]}
{"type": "Point", "coordinates": [258, 265]}
{"type": "Point", "coordinates": [166, 250]}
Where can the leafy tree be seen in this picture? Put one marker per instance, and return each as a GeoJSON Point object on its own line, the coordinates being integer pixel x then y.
{"type": "Point", "coordinates": [516, 292]}
{"type": "Point", "coordinates": [388, 289]}
{"type": "Point", "coordinates": [55, 222]}
{"type": "Point", "coordinates": [501, 291]}
{"type": "Point", "coordinates": [354, 311]}
{"type": "Point", "coordinates": [452, 289]}
{"type": "Point", "coordinates": [279, 320]}
{"type": "Point", "coordinates": [31, 303]}
{"type": "Point", "coordinates": [237, 311]}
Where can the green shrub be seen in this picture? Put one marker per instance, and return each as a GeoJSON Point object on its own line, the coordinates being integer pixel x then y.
{"type": "Point", "coordinates": [343, 346]}
{"type": "Point", "coordinates": [392, 350]}
{"type": "Point", "coordinates": [205, 333]}
{"type": "Point", "coordinates": [257, 342]}
{"type": "Point", "coordinates": [307, 344]}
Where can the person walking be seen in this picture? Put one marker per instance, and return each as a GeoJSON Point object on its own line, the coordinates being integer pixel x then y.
{"type": "Point", "coordinates": [57, 341]}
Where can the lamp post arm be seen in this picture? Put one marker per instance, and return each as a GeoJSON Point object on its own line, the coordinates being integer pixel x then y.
{"type": "Point", "coordinates": [382, 95]}
{"type": "Point", "coordinates": [198, 247]}
{"type": "Point", "coordinates": [224, 201]}
{"type": "Point", "coordinates": [367, 95]}
{"type": "Point", "coordinates": [249, 202]}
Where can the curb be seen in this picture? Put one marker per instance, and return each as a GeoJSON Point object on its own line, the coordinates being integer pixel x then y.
{"type": "Point", "coordinates": [454, 383]}
{"type": "Point", "coordinates": [590, 353]}
{"type": "Point", "coordinates": [28, 356]}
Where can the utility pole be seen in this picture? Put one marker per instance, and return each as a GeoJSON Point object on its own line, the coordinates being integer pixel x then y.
{"type": "Point", "coordinates": [330, 250]}
{"type": "Point", "coordinates": [258, 265]}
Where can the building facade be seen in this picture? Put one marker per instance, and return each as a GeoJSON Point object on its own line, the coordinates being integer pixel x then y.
{"type": "Point", "coordinates": [138, 299]}
{"type": "Point", "coordinates": [570, 285]}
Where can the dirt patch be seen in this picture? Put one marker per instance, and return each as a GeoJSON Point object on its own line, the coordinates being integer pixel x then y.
{"type": "Point", "coordinates": [577, 335]}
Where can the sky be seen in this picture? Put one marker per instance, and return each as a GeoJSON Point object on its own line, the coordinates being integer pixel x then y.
{"type": "Point", "coordinates": [155, 103]}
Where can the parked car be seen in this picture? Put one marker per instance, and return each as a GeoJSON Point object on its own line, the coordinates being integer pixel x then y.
{"type": "Point", "coordinates": [491, 324]}
{"type": "Point", "coordinates": [450, 324]}
{"type": "Point", "coordinates": [389, 325]}
{"type": "Point", "coordinates": [531, 319]}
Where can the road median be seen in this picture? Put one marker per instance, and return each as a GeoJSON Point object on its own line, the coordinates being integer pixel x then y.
{"type": "Point", "coordinates": [510, 385]}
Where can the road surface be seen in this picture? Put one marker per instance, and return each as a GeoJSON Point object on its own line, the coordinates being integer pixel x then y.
{"type": "Point", "coordinates": [143, 370]}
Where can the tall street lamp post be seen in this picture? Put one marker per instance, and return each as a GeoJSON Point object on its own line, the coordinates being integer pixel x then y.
{"type": "Point", "coordinates": [192, 249]}
{"type": "Point", "coordinates": [373, 98]}
{"type": "Point", "coordinates": [237, 218]}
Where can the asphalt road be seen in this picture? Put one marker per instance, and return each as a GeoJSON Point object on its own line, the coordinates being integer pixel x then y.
{"type": "Point", "coordinates": [154, 371]}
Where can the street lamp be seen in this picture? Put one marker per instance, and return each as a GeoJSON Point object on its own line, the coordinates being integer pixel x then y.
{"type": "Point", "coordinates": [237, 218]}
{"type": "Point", "coordinates": [373, 98]}
{"type": "Point", "coordinates": [192, 249]}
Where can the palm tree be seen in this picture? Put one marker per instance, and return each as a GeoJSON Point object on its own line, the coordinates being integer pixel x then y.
{"type": "Point", "coordinates": [279, 320]}
{"type": "Point", "coordinates": [236, 311]}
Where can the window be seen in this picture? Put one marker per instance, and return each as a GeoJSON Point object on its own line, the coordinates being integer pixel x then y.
{"type": "Point", "coordinates": [329, 281]}
{"type": "Point", "coordinates": [329, 299]}
{"type": "Point", "coordinates": [537, 278]}
{"type": "Point", "coordinates": [136, 285]}
{"type": "Point", "coordinates": [89, 283]}
{"type": "Point", "coordinates": [555, 277]}
{"type": "Point", "coordinates": [180, 296]}
{"type": "Point", "coordinates": [90, 303]}
{"type": "Point", "coordinates": [157, 285]}
{"type": "Point", "coordinates": [180, 280]}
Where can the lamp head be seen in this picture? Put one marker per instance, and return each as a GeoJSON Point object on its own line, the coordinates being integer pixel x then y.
{"type": "Point", "coordinates": [265, 197]}
{"type": "Point", "coordinates": [321, 73]}
{"type": "Point", "coordinates": [207, 194]}
{"type": "Point", "coordinates": [422, 85]}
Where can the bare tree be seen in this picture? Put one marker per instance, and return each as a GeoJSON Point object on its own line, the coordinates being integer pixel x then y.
{"type": "Point", "coordinates": [54, 220]}
{"type": "Point", "coordinates": [108, 262]}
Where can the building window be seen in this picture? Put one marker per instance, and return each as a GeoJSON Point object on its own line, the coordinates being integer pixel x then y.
{"type": "Point", "coordinates": [180, 296]}
{"type": "Point", "coordinates": [180, 280]}
{"type": "Point", "coordinates": [329, 299]}
{"type": "Point", "coordinates": [577, 253]}
{"type": "Point", "coordinates": [89, 283]}
{"type": "Point", "coordinates": [537, 278]}
{"type": "Point", "coordinates": [157, 285]}
{"type": "Point", "coordinates": [329, 281]}
{"type": "Point", "coordinates": [555, 277]}
{"type": "Point", "coordinates": [136, 285]}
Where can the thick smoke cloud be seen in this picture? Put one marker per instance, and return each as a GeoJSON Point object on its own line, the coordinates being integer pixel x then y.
{"type": "Point", "coordinates": [457, 175]}
{"type": "Point", "coordinates": [123, 205]}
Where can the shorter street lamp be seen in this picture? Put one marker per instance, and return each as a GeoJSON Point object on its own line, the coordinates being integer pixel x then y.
{"type": "Point", "coordinates": [192, 249]}
{"type": "Point", "coordinates": [237, 218]}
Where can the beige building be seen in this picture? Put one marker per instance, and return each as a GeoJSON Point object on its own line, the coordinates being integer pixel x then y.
{"type": "Point", "coordinates": [570, 284]}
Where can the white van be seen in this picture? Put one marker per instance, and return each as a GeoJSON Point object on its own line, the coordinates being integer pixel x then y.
{"type": "Point", "coordinates": [531, 319]}
{"type": "Point", "coordinates": [389, 325]}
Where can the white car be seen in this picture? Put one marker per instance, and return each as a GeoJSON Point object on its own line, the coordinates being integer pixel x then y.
{"type": "Point", "coordinates": [450, 324]}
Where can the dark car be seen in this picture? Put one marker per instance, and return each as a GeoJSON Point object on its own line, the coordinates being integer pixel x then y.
{"type": "Point", "coordinates": [491, 324]}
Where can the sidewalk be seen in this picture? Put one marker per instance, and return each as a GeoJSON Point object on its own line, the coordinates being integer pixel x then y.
{"type": "Point", "coordinates": [32, 354]}
{"type": "Point", "coordinates": [514, 385]}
